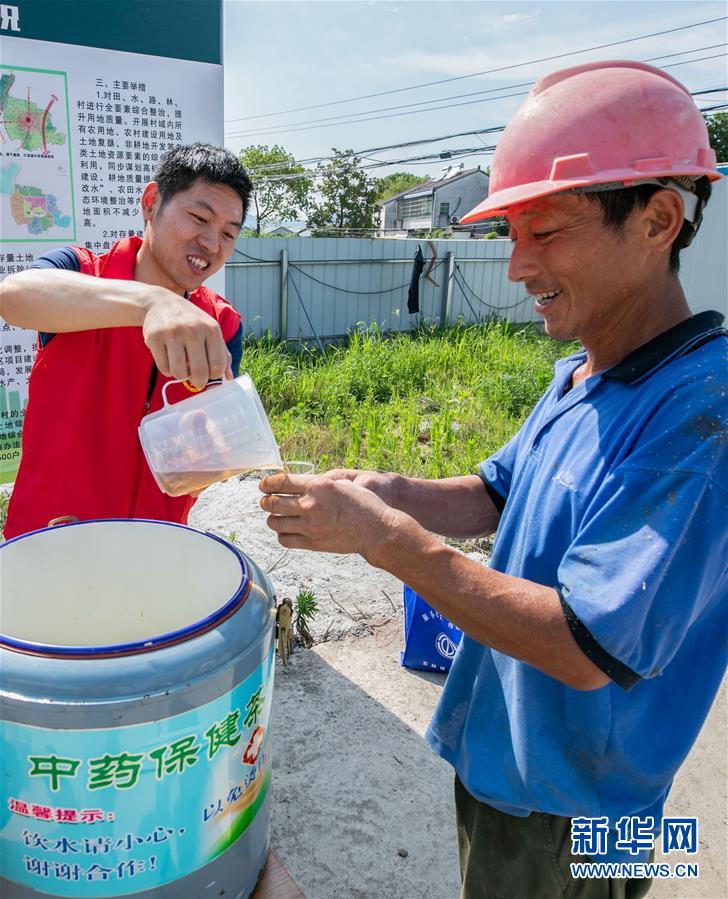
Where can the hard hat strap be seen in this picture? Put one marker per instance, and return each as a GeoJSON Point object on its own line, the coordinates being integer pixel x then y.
{"type": "Point", "coordinates": [690, 200]}
{"type": "Point", "coordinates": [693, 205]}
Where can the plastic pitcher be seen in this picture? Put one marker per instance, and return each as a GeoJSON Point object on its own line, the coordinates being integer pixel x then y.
{"type": "Point", "coordinates": [208, 437]}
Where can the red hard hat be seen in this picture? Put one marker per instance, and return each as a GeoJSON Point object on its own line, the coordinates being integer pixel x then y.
{"type": "Point", "coordinates": [600, 123]}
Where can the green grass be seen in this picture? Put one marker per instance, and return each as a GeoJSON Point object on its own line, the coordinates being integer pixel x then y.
{"type": "Point", "coordinates": [4, 499]}
{"type": "Point", "coordinates": [431, 404]}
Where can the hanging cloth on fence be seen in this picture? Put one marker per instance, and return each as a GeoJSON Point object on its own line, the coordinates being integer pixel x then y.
{"type": "Point", "coordinates": [413, 295]}
{"type": "Point", "coordinates": [432, 265]}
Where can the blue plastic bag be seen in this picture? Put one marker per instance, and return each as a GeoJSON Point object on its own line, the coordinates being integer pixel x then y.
{"type": "Point", "coordinates": [430, 640]}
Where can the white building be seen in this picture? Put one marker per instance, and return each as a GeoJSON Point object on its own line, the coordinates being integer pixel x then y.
{"type": "Point", "coordinates": [436, 204]}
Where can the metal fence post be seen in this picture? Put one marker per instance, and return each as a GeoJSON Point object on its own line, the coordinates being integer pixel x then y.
{"type": "Point", "coordinates": [283, 307]}
{"type": "Point", "coordinates": [446, 307]}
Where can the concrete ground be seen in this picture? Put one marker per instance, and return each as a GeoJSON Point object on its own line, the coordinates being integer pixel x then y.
{"type": "Point", "coordinates": [363, 809]}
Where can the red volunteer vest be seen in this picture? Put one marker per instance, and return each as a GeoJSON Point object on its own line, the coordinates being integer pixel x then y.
{"type": "Point", "coordinates": [87, 394]}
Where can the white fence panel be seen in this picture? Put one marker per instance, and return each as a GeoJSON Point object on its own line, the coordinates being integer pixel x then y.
{"type": "Point", "coordinates": [704, 265]}
{"type": "Point", "coordinates": [304, 288]}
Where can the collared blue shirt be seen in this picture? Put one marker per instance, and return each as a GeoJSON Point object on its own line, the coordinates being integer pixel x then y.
{"type": "Point", "coordinates": [615, 493]}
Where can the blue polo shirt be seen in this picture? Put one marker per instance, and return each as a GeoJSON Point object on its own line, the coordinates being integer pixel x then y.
{"type": "Point", "coordinates": [615, 494]}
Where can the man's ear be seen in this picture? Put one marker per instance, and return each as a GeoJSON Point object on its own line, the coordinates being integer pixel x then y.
{"type": "Point", "coordinates": [663, 218]}
{"type": "Point", "coordinates": [151, 200]}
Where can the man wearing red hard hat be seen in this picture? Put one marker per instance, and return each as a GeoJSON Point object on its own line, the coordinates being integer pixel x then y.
{"type": "Point", "coordinates": [595, 642]}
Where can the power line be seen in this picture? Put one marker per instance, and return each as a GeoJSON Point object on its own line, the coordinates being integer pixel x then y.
{"type": "Point", "coordinates": [484, 72]}
{"type": "Point", "coordinates": [403, 144]}
{"type": "Point", "coordinates": [309, 127]}
{"type": "Point", "coordinates": [275, 128]}
{"type": "Point", "coordinates": [683, 52]}
{"type": "Point", "coordinates": [381, 163]}
{"type": "Point", "coordinates": [428, 140]}
{"type": "Point", "coordinates": [491, 90]}
{"type": "Point", "coordinates": [674, 65]}
{"type": "Point", "coordinates": [431, 140]}
{"type": "Point", "coordinates": [438, 157]}
{"type": "Point", "coordinates": [443, 155]}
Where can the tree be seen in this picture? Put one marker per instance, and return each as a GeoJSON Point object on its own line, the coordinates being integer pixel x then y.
{"type": "Point", "coordinates": [346, 203]}
{"type": "Point", "coordinates": [718, 133]}
{"type": "Point", "coordinates": [397, 183]}
{"type": "Point", "coordinates": [275, 197]}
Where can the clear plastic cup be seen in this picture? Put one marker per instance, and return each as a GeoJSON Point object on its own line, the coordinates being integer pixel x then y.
{"type": "Point", "coordinates": [209, 437]}
{"type": "Point", "coordinates": [296, 467]}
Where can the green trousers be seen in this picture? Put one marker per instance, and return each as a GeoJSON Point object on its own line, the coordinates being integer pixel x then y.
{"type": "Point", "coordinates": [506, 857]}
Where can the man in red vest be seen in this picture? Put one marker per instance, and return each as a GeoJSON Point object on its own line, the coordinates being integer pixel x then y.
{"type": "Point", "coordinates": [112, 330]}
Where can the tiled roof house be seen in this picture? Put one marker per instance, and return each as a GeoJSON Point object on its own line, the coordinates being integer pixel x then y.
{"type": "Point", "coordinates": [438, 203]}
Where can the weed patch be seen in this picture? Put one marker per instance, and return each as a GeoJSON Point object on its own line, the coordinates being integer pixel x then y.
{"type": "Point", "coordinates": [434, 403]}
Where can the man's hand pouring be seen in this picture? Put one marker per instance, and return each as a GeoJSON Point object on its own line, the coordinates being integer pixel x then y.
{"type": "Point", "coordinates": [326, 514]}
{"type": "Point", "coordinates": [185, 341]}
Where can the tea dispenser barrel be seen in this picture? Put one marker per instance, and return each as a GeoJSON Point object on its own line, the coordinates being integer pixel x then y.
{"type": "Point", "coordinates": [137, 681]}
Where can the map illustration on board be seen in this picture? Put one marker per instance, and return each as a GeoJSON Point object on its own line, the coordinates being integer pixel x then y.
{"type": "Point", "coordinates": [36, 190]}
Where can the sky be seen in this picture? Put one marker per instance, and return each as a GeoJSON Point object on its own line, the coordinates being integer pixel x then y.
{"type": "Point", "coordinates": [286, 54]}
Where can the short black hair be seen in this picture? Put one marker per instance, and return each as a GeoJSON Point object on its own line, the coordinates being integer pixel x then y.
{"type": "Point", "coordinates": [180, 167]}
{"type": "Point", "coordinates": [618, 205]}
